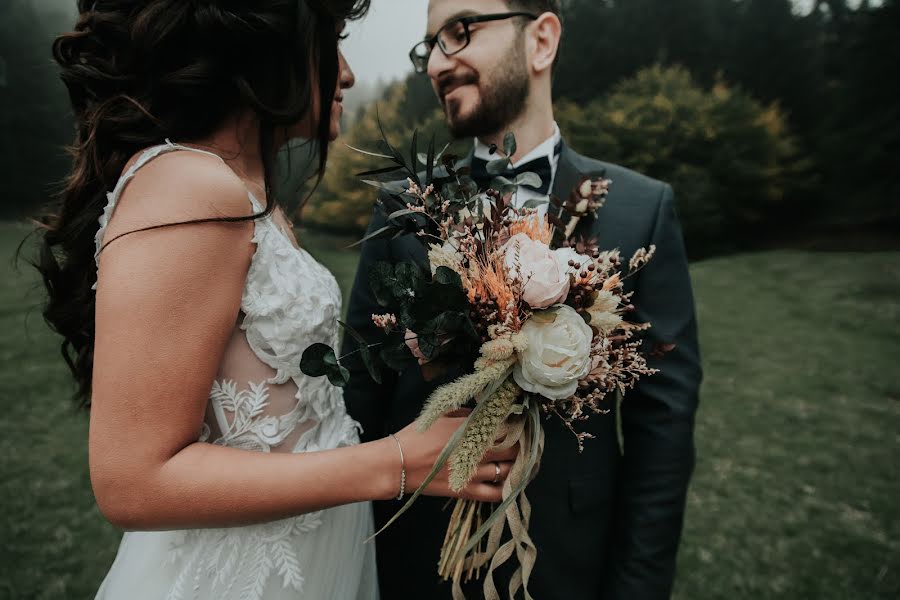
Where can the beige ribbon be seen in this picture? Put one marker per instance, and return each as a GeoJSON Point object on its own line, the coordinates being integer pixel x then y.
{"type": "Point", "coordinates": [517, 517]}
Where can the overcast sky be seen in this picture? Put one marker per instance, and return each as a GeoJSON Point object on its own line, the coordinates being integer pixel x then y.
{"type": "Point", "coordinates": [378, 46]}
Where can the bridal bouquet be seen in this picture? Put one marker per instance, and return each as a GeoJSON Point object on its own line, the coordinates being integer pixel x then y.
{"type": "Point", "coordinates": [535, 321]}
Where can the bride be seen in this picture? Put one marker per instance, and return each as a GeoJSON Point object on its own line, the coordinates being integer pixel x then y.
{"type": "Point", "coordinates": [185, 305]}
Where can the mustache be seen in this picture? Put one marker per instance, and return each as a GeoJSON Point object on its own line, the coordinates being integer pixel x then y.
{"type": "Point", "coordinates": [450, 81]}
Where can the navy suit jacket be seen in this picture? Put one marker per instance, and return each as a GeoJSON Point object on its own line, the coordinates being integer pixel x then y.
{"type": "Point", "coordinates": [606, 524]}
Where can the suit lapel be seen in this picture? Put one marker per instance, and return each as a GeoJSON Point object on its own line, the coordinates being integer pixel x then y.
{"type": "Point", "coordinates": [568, 175]}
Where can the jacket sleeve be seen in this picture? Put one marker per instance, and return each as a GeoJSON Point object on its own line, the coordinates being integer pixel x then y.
{"type": "Point", "coordinates": [657, 424]}
{"type": "Point", "coordinates": [366, 401]}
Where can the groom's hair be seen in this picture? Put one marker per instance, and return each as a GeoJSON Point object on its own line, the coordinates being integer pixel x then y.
{"type": "Point", "coordinates": [538, 7]}
{"type": "Point", "coordinates": [535, 6]}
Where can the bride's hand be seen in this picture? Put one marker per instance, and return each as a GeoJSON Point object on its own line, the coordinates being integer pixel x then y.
{"type": "Point", "coordinates": [421, 451]}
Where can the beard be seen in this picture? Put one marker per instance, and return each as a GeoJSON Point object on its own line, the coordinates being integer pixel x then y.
{"type": "Point", "coordinates": [503, 95]}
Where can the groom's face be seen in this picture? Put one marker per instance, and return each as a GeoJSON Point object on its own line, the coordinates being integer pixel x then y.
{"type": "Point", "coordinates": [484, 87]}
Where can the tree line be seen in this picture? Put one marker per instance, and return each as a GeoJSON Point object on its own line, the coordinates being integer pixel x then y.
{"type": "Point", "coordinates": [765, 118]}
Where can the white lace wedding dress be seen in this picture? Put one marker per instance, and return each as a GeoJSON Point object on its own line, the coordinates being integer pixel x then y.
{"type": "Point", "coordinates": [261, 402]}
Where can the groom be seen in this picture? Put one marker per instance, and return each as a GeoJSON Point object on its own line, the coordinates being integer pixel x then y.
{"type": "Point", "coordinates": [606, 524]}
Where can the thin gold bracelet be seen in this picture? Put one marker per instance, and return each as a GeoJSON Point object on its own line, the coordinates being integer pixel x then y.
{"type": "Point", "coordinates": [402, 468]}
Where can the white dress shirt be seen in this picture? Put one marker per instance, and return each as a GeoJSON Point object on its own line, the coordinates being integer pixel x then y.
{"type": "Point", "coordinates": [546, 148]}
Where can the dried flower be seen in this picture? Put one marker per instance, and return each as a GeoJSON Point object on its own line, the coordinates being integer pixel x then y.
{"type": "Point", "coordinates": [481, 434]}
{"type": "Point", "coordinates": [455, 394]}
{"type": "Point", "coordinates": [534, 226]}
{"type": "Point", "coordinates": [604, 322]}
{"type": "Point", "coordinates": [412, 342]}
{"type": "Point", "coordinates": [387, 322]}
{"type": "Point", "coordinates": [412, 188]}
{"type": "Point", "coordinates": [641, 257]}
{"type": "Point", "coordinates": [445, 255]}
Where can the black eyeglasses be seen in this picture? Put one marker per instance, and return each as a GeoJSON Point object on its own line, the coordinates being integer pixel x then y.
{"type": "Point", "coordinates": [454, 37]}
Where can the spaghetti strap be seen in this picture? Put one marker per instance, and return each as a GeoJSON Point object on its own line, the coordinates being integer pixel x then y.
{"type": "Point", "coordinates": [112, 198]}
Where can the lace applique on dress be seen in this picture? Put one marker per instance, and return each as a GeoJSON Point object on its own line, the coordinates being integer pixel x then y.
{"type": "Point", "coordinates": [242, 418]}
{"type": "Point", "coordinates": [223, 561]}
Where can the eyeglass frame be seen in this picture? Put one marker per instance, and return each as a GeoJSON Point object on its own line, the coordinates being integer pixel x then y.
{"type": "Point", "coordinates": [435, 40]}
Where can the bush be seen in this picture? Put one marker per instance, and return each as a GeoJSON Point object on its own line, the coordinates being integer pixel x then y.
{"type": "Point", "coordinates": [734, 166]}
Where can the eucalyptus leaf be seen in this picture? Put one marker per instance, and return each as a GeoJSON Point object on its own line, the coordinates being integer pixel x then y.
{"type": "Point", "coordinates": [535, 203]}
{"type": "Point", "coordinates": [313, 361]}
{"type": "Point", "coordinates": [339, 376]}
{"type": "Point", "coordinates": [365, 353]}
{"type": "Point", "coordinates": [499, 182]}
{"type": "Point", "coordinates": [509, 144]}
{"type": "Point", "coordinates": [529, 179]}
{"type": "Point", "coordinates": [394, 187]}
{"type": "Point", "coordinates": [447, 276]}
{"type": "Point", "coordinates": [498, 166]}
{"type": "Point", "coordinates": [380, 282]}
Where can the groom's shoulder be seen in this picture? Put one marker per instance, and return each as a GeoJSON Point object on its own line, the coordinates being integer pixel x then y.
{"type": "Point", "coordinates": [640, 188]}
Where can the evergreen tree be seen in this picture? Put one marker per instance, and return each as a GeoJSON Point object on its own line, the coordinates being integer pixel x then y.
{"type": "Point", "coordinates": [35, 122]}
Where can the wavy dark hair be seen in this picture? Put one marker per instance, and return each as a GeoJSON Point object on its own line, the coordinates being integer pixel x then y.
{"type": "Point", "coordinates": [141, 71]}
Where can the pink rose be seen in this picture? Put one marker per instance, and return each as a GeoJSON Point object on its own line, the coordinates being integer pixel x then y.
{"type": "Point", "coordinates": [546, 282]}
{"type": "Point", "coordinates": [412, 342]}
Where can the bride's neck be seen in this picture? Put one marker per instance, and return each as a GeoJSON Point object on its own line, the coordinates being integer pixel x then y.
{"type": "Point", "coordinates": [237, 142]}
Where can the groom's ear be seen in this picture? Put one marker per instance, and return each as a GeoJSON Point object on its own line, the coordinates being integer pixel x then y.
{"type": "Point", "coordinates": [544, 37]}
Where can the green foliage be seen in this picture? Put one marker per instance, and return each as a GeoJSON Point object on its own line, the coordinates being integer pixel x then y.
{"type": "Point", "coordinates": [730, 159]}
{"type": "Point", "coordinates": [319, 360]}
{"type": "Point", "coordinates": [860, 138]}
{"type": "Point", "coordinates": [35, 123]}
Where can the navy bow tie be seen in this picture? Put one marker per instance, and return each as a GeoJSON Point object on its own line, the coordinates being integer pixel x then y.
{"type": "Point", "coordinates": [541, 166]}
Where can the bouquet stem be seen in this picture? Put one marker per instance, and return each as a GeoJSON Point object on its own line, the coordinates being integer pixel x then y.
{"type": "Point", "coordinates": [473, 542]}
{"type": "Point", "coordinates": [465, 520]}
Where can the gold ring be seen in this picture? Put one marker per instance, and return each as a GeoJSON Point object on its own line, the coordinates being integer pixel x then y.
{"type": "Point", "coordinates": [496, 472]}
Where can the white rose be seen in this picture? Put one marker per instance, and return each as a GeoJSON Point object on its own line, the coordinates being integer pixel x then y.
{"type": "Point", "coordinates": [546, 282]}
{"type": "Point", "coordinates": [558, 353]}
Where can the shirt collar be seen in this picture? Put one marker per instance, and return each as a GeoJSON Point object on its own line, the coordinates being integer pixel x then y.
{"type": "Point", "coordinates": [546, 148]}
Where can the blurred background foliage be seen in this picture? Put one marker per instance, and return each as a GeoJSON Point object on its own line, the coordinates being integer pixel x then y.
{"type": "Point", "coordinates": [769, 121]}
{"type": "Point", "coordinates": [771, 118]}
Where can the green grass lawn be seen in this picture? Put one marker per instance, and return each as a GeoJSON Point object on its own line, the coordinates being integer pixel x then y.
{"type": "Point", "coordinates": [798, 472]}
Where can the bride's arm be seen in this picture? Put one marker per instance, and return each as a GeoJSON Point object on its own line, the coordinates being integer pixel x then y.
{"type": "Point", "coordinates": [167, 302]}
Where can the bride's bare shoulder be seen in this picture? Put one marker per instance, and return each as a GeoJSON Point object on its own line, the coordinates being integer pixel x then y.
{"type": "Point", "coordinates": [174, 255]}
{"type": "Point", "coordinates": [179, 186]}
